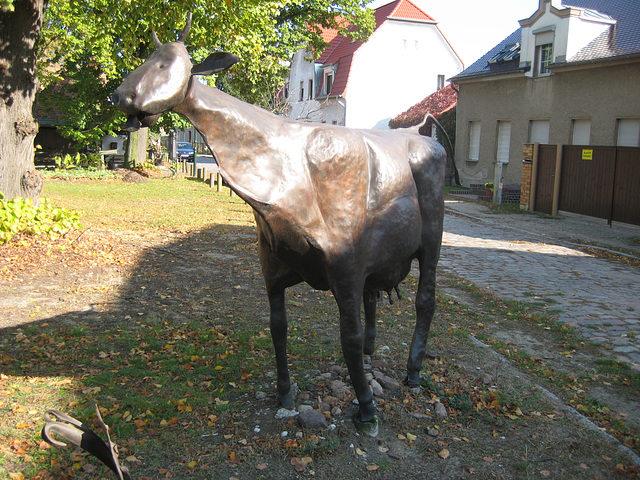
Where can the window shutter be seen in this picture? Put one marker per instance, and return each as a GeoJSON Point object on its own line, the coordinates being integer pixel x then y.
{"type": "Point", "coordinates": [581, 132]}
{"type": "Point", "coordinates": [474, 141]}
{"type": "Point", "coordinates": [504, 141]}
{"type": "Point", "coordinates": [628, 132]}
{"type": "Point", "coordinates": [540, 131]}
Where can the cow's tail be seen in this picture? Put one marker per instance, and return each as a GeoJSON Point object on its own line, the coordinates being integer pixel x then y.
{"type": "Point", "coordinates": [447, 144]}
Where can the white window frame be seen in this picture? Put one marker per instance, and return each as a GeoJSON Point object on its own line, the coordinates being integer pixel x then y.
{"type": "Point", "coordinates": [503, 141]}
{"type": "Point", "coordinates": [440, 81]}
{"type": "Point", "coordinates": [475, 130]}
{"type": "Point", "coordinates": [327, 83]}
{"type": "Point", "coordinates": [628, 132]}
{"type": "Point", "coordinates": [544, 58]}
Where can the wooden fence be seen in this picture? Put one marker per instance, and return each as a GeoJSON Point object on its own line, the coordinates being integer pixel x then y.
{"type": "Point", "coordinates": [597, 181]}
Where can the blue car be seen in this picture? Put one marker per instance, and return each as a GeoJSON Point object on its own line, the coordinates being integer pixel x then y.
{"type": "Point", "coordinates": [185, 151]}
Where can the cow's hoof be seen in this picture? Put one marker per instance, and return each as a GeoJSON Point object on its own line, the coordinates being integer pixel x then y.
{"type": "Point", "coordinates": [285, 401]}
{"type": "Point", "coordinates": [412, 380]}
{"type": "Point", "coordinates": [369, 427]}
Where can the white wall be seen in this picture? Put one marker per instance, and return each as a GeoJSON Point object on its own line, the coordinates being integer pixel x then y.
{"type": "Point", "coordinates": [394, 70]}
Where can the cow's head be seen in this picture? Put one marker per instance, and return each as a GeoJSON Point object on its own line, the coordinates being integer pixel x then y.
{"type": "Point", "coordinates": [162, 81]}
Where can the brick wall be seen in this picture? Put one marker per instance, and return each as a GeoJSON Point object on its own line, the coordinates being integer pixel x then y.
{"type": "Point", "coordinates": [525, 184]}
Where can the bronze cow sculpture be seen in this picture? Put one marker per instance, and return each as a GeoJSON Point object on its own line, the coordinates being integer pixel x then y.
{"type": "Point", "coordinates": [342, 209]}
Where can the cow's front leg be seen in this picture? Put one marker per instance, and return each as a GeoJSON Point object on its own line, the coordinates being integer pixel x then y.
{"type": "Point", "coordinates": [352, 340]}
{"type": "Point", "coordinates": [369, 322]}
{"type": "Point", "coordinates": [278, 323]}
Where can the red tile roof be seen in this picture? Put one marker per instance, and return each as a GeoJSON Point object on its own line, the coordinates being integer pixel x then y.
{"type": "Point", "coordinates": [341, 49]}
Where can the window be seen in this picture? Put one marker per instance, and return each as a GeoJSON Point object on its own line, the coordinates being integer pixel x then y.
{"type": "Point", "coordinates": [474, 141]}
{"type": "Point", "coordinates": [544, 58]}
{"type": "Point", "coordinates": [310, 89]}
{"type": "Point", "coordinates": [628, 132]}
{"type": "Point", "coordinates": [328, 82]}
{"type": "Point", "coordinates": [440, 81]}
{"type": "Point", "coordinates": [301, 93]}
{"type": "Point", "coordinates": [504, 142]}
{"type": "Point", "coordinates": [580, 132]}
{"type": "Point", "coordinates": [113, 146]}
{"type": "Point", "coordinates": [539, 131]}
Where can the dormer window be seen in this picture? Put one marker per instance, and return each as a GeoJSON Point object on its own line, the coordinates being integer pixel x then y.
{"type": "Point", "coordinates": [544, 59]}
{"type": "Point", "coordinates": [544, 50]}
{"type": "Point", "coordinates": [328, 81]}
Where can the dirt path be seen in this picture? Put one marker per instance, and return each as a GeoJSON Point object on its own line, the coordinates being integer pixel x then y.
{"type": "Point", "coordinates": [478, 417]}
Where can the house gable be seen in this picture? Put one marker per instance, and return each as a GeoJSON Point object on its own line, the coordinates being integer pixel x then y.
{"type": "Point", "coordinates": [341, 49]}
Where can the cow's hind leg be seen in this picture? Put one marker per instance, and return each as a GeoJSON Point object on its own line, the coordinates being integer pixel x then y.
{"type": "Point", "coordinates": [425, 308]}
{"type": "Point", "coordinates": [278, 323]}
{"type": "Point", "coordinates": [352, 340]}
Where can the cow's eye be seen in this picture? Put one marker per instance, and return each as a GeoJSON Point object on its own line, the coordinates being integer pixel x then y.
{"type": "Point", "coordinates": [162, 65]}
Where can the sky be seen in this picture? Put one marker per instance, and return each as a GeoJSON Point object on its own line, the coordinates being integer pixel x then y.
{"type": "Point", "coordinates": [473, 27]}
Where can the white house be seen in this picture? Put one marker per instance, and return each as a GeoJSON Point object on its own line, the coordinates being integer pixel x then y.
{"type": "Point", "coordinates": [365, 84]}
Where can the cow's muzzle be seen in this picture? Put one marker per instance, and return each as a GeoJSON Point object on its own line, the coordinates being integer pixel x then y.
{"type": "Point", "coordinates": [136, 122]}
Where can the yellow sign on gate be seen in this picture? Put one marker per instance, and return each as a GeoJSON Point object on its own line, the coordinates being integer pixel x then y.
{"type": "Point", "coordinates": [587, 154]}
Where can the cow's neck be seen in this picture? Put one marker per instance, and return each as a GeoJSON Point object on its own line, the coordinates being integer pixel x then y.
{"type": "Point", "coordinates": [236, 132]}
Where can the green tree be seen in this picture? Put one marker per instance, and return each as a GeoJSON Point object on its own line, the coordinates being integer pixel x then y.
{"type": "Point", "coordinates": [90, 45]}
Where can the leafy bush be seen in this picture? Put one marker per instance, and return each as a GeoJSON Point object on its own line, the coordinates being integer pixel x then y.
{"type": "Point", "coordinates": [79, 160]}
{"type": "Point", "coordinates": [20, 216]}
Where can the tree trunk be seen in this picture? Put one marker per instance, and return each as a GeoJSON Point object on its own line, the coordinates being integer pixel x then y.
{"type": "Point", "coordinates": [20, 31]}
{"type": "Point", "coordinates": [136, 152]}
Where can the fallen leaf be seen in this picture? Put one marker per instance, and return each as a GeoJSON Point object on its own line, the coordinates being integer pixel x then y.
{"type": "Point", "coordinates": [372, 468]}
{"type": "Point", "coordinates": [16, 476]}
{"type": "Point", "coordinates": [300, 464]}
{"type": "Point", "coordinates": [360, 452]}
{"type": "Point", "coordinates": [487, 459]}
{"type": "Point", "coordinates": [444, 453]}
{"type": "Point", "coordinates": [411, 437]}
{"type": "Point", "coordinates": [545, 473]}
{"type": "Point", "coordinates": [262, 466]}
{"type": "Point", "coordinates": [192, 463]}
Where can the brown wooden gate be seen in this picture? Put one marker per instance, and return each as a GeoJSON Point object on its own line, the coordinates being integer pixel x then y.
{"type": "Point", "coordinates": [545, 177]}
{"type": "Point", "coordinates": [602, 182]}
{"type": "Point", "coordinates": [626, 193]}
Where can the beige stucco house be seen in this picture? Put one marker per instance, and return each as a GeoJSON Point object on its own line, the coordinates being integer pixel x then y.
{"type": "Point", "coordinates": [570, 75]}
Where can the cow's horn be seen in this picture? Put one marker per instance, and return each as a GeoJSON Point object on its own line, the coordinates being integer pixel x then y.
{"type": "Point", "coordinates": [157, 42]}
{"type": "Point", "coordinates": [185, 31]}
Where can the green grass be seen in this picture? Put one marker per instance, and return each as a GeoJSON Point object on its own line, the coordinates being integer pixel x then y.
{"type": "Point", "coordinates": [165, 383]}
{"type": "Point", "coordinates": [168, 204]}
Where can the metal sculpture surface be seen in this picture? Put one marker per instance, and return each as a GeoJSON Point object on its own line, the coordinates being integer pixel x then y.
{"type": "Point", "coordinates": [342, 209]}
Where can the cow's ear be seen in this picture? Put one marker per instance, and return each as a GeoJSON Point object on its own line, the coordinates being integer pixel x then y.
{"type": "Point", "coordinates": [214, 63]}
